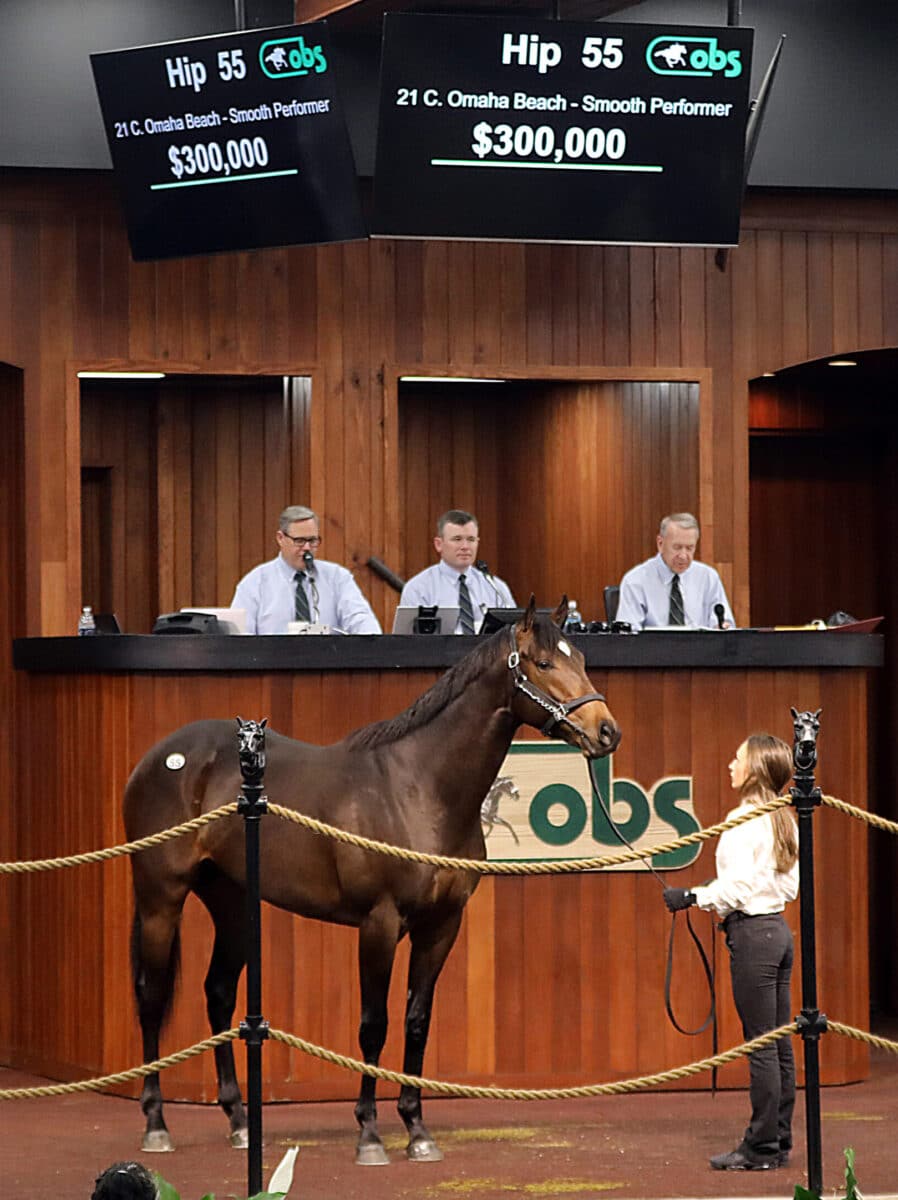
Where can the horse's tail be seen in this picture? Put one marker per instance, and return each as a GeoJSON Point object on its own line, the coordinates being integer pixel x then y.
{"type": "Point", "coordinates": [154, 995]}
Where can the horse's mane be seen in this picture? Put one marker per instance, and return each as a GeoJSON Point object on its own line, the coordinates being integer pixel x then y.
{"type": "Point", "coordinates": [423, 710]}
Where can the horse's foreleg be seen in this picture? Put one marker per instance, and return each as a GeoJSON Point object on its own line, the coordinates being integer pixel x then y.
{"type": "Point", "coordinates": [378, 936]}
{"type": "Point", "coordinates": [154, 954]}
{"type": "Point", "coordinates": [226, 904]}
{"type": "Point", "coordinates": [430, 948]}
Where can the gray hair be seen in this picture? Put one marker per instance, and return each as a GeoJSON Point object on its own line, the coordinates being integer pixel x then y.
{"type": "Point", "coordinates": [684, 520]}
{"type": "Point", "coordinates": [296, 512]}
{"type": "Point", "coordinates": [456, 516]}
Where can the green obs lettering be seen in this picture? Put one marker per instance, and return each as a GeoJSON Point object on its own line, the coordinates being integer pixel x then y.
{"type": "Point", "coordinates": [565, 797]}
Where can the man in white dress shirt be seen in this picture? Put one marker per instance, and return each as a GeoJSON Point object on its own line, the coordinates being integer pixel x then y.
{"type": "Point", "coordinates": [297, 586]}
{"type": "Point", "coordinates": [672, 588]}
{"type": "Point", "coordinates": [455, 582]}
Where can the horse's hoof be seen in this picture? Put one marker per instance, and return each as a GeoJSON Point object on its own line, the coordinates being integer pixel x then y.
{"type": "Point", "coordinates": [423, 1150]}
{"type": "Point", "coordinates": [157, 1142]}
{"type": "Point", "coordinates": [239, 1139]}
{"type": "Point", "coordinates": [372, 1155]}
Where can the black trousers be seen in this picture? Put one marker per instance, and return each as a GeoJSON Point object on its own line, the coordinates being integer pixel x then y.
{"type": "Point", "coordinates": [761, 954]}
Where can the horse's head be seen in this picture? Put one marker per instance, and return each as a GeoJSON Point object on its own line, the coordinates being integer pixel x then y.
{"type": "Point", "coordinates": [251, 747]}
{"type": "Point", "coordinates": [551, 683]}
{"type": "Point", "coordinates": [806, 726]}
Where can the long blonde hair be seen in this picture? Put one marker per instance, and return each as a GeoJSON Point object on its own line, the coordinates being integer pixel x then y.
{"type": "Point", "coordinates": [769, 764]}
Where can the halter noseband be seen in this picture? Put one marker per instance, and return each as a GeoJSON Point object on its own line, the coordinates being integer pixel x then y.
{"type": "Point", "coordinates": [558, 710]}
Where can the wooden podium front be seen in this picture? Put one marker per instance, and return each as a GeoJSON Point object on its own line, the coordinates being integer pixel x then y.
{"type": "Point", "coordinates": [554, 980]}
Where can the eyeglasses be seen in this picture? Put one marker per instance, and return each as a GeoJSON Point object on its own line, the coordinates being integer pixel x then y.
{"type": "Point", "coordinates": [312, 542]}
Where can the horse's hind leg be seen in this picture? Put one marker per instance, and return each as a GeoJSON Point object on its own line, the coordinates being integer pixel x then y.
{"type": "Point", "coordinates": [154, 958]}
{"type": "Point", "coordinates": [225, 901]}
{"type": "Point", "coordinates": [378, 936]}
{"type": "Point", "coordinates": [430, 947]}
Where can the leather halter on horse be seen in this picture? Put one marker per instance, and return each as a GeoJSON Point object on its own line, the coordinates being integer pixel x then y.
{"type": "Point", "coordinates": [558, 710]}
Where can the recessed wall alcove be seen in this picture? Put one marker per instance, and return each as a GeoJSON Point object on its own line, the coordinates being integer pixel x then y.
{"type": "Point", "coordinates": [568, 476]}
{"type": "Point", "coordinates": [182, 479]}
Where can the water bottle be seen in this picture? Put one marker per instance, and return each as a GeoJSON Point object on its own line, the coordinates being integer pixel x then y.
{"type": "Point", "coordinates": [87, 626]}
{"type": "Point", "coordinates": [573, 622]}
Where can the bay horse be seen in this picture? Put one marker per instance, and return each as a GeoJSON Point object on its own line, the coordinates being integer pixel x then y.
{"type": "Point", "coordinates": [417, 781]}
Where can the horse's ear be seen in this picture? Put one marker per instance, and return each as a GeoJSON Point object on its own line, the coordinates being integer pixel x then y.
{"type": "Point", "coordinates": [559, 616]}
{"type": "Point", "coordinates": [263, 722]}
{"type": "Point", "coordinates": [240, 722]}
{"type": "Point", "coordinates": [529, 614]}
{"type": "Point", "coordinates": [794, 712]}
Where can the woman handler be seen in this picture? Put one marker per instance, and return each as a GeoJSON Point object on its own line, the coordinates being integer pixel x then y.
{"type": "Point", "coordinates": [757, 875]}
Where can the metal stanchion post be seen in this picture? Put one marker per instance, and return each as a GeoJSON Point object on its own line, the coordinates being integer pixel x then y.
{"type": "Point", "coordinates": [811, 1023]}
{"type": "Point", "coordinates": [253, 1030]}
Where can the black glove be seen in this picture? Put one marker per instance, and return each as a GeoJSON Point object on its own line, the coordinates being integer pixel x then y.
{"type": "Point", "coordinates": [677, 898]}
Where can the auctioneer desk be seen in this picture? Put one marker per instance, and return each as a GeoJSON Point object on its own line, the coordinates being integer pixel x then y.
{"type": "Point", "coordinates": [554, 980]}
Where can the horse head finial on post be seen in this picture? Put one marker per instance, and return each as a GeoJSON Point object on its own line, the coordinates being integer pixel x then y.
{"type": "Point", "coordinates": [251, 749]}
{"type": "Point", "coordinates": [804, 754]}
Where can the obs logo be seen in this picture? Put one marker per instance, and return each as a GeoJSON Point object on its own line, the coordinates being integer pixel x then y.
{"type": "Point", "coordinates": [553, 813]}
{"type": "Point", "coordinates": [692, 56]}
{"type": "Point", "coordinates": [287, 57]}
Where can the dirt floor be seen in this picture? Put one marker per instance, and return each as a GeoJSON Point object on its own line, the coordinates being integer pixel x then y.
{"type": "Point", "coordinates": [639, 1147]}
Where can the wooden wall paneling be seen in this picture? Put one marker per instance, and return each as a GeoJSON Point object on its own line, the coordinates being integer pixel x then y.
{"type": "Point", "coordinates": [692, 307]}
{"type": "Point", "coordinates": [667, 305]}
{"type": "Point", "coordinates": [538, 313]}
{"type": "Point", "coordinates": [889, 290]}
{"type": "Point", "coordinates": [196, 333]}
{"type": "Point", "coordinates": [616, 305]}
{"type": "Point", "coordinates": [329, 415]}
{"type": "Point", "coordinates": [642, 304]}
{"type": "Point", "coordinates": [870, 292]}
{"type": "Point", "coordinates": [845, 291]}
{"type": "Point", "coordinates": [795, 284]}
{"type": "Point", "coordinates": [358, 450]}
{"type": "Point", "coordinates": [487, 303]}
{"type": "Point", "coordinates": [590, 312]}
{"type": "Point", "coordinates": [302, 305]}
{"type": "Point", "coordinates": [223, 307]}
{"type": "Point", "coordinates": [565, 313]}
{"type": "Point", "coordinates": [414, 302]}
{"type": "Point", "coordinates": [513, 285]}
{"type": "Point", "coordinates": [429, 333]}
{"type": "Point", "coordinates": [218, 524]}
{"type": "Point", "coordinates": [820, 294]}
{"type": "Point", "coordinates": [383, 525]}
{"type": "Point", "coordinates": [170, 310]}
{"type": "Point", "coordinates": [461, 296]}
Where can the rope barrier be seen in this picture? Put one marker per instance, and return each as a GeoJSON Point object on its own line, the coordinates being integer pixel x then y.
{"type": "Point", "coordinates": [95, 856]}
{"type": "Point", "coordinates": [480, 866]}
{"type": "Point", "coordinates": [485, 867]}
{"type": "Point", "coordinates": [861, 814]}
{"type": "Point", "coordinates": [440, 1087]}
{"type": "Point", "coordinates": [105, 1081]}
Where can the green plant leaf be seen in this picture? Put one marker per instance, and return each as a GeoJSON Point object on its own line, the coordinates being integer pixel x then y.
{"type": "Point", "coordinates": [268, 1196]}
{"type": "Point", "coordinates": [803, 1193]}
{"type": "Point", "coordinates": [851, 1192]}
{"type": "Point", "coordinates": [165, 1189]}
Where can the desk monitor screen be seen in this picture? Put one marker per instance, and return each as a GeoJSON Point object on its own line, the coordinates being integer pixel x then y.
{"type": "Point", "coordinates": [496, 618]}
{"type": "Point", "coordinates": [231, 620]}
{"type": "Point", "coordinates": [107, 623]}
{"type": "Point", "coordinates": [404, 621]}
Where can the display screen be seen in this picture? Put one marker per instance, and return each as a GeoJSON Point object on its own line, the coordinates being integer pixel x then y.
{"type": "Point", "coordinates": [229, 142]}
{"type": "Point", "coordinates": [512, 129]}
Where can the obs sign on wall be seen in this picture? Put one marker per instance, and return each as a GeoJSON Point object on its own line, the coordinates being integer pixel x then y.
{"type": "Point", "coordinates": [547, 810]}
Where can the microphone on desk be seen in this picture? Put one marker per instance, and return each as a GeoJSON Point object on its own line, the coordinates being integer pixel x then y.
{"type": "Point", "coordinates": [481, 566]}
{"type": "Point", "coordinates": [720, 613]}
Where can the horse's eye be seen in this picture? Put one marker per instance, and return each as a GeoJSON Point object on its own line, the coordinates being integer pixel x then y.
{"type": "Point", "coordinates": [544, 664]}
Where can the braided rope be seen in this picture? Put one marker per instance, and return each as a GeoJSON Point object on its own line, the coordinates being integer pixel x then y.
{"type": "Point", "coordinates": [438, 1086]}
{"type": "Point", "coordinates": [95, 856]}
{"type": "Point", "coordinates": [570, 1093]}
{"type": "Point", "coordinates": [861, 814]}
{"type": "Point", "coordinates": [106, 1081]}
{"type": "Point", "coordinates": [485, 867]}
